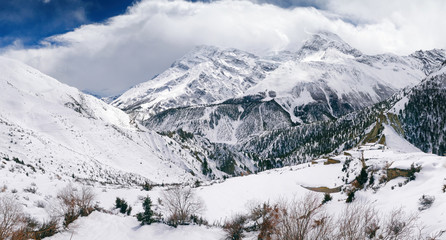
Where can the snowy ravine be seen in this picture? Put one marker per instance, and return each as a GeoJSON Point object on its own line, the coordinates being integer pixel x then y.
{"type": "Point", "coordinates": [58, 130]}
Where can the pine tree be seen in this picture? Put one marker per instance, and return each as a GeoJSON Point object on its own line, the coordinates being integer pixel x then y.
{"type": "Point", "coordinates": [327, 198]}
{"type": "Point", "coordinates": [146, 217]}
{"type": "Point", "coordinates": [362, 178]}
{"type": "Point", "coordinates": [350, 197]}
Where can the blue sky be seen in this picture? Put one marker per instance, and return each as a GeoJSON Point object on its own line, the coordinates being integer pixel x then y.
{"type": "Point", "coordinates": [29, 21]}
{"type": "Point", "coordinates": [107, 46]}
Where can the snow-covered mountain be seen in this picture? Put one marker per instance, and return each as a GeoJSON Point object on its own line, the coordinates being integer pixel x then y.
{"type": "Point", "coordinates": [59, 130]}
{"type": "Point", "coordinates": [259, 135]}
{"type": "Point", "coordinates": [325, 79]}
{"type": "Point", "coordinates": [203, 76]}
{"type": "Point", "coordinates": [421, 112]}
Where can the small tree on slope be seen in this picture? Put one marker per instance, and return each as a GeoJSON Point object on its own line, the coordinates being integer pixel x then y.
{"type": "Point", "coordinates": [146, 217]}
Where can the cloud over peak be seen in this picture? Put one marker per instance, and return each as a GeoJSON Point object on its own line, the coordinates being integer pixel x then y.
{"type": "Point", "coordinates": [128, 49]}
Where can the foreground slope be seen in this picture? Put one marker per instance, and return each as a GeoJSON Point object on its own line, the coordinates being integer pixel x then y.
{"type": "Point", "coordinates": [60, 130]}
{"type": "Point", "coordinates": [224, 200]}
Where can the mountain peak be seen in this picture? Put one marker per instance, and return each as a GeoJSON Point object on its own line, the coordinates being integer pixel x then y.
{"type": "Point", "coordinates": [323, 41]}
{"type": "Point", "coordinates": [205, 53]}
{"type": "Point", "coordinates": [431, 59]}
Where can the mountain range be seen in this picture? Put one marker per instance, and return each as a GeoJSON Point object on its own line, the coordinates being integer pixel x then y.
{"type": "Point", "coordinates": [250, 113]}
{"type": "Point", "coordinates": [237, 130]}
{"type": "Point", "coordinates": [219, 112]}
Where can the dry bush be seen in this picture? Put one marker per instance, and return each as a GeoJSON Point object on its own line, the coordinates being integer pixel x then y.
{"type": "Point", "coordinates": [358, 221]}
{"type": "Point", "coordinates": [74, 203]}
{"type": "Point", "coordinates": [234, 228]}
{"type": "Point", "coordinates": [46, 229]}
{"type": "Point", "coordinates": [32, 229]}
{"type": "Point", "coordinates": [11, 217]}
{"type": "Point", "coordinates": [362, 221]}
{"type": "Point", "coordinates": [86, 198]}
{"type": "Point", "coordinates": [425, 202]}
{"type": "Point", "coordinates": [399, 225]}
{"type": "Point", "coordinates": [304, 219]}
{"type": "Point", "coordinates": [266, 219]}
{"type": "Point", "coordinates": [181, 203]}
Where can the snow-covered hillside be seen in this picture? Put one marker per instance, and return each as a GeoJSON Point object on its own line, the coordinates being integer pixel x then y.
{"type": "Point", "coordinates": [224, 200]}
{"type": "Point", "coordinates": [421, 112]}
{"type": "Point", "coordinates": [59, 130]}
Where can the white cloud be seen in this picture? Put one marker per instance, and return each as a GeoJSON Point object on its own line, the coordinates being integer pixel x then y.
{"type": "Point", "coordinates": [111, 57]}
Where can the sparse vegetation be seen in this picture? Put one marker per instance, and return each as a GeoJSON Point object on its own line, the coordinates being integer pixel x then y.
{"type": "Point", "coordinates": [181, 203]}
{"type": "Point", "coordinates": [411, 174]}
{"type": "Point", "coordinates": [425, 202]}
{"type": "Point", "coordinates": [306, 218]}
{"type": "Point", "coordinates": [74, 203]}
{"type": "Point", "coordinates": [266, 218]}
{"type": "Point", "coordinates": [147, 186]}
{"type": "Point", "coordinates": [234, 228]}
{"type": "Point", "coordinates": [11, 217]}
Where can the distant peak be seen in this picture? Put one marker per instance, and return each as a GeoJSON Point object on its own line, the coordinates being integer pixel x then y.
{"type": "Point", "coordinates": [433, 60]}
{"type": "Point", "coordinates": [322, 41]}
{"type": "Point", "coordinates": [204, 53]}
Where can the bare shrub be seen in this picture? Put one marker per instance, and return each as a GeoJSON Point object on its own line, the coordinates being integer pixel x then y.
{"type": "Point", "coordinates": [234, 228]}
{"type": "Point", "coordinates": [358, 221]}
{"type": "Point", "coordinates": [181, 203]}
{"type": "Point", "coordinates": [32, 229]}
{"type": "Point", "coordinates": [266, 219]}
{"type": "Point", "coordinates": [74, 203]}
{"type": "Point", "coordinates": [40, 204]}
{"type": "Point", "coordinates": [426, 202]}
{"type": "Point", "coordinates": [11, 217]}
{"type": "Point", "coordinates": [31, 189]}
{"type": "Point", "coordinates": [86, 198]}
{"type": "Point", "coordinates": [399, 225]}
{"type": "Point", "coordinates": [362, 221]}
{"type": "Point", "coordinates": [304, 219]}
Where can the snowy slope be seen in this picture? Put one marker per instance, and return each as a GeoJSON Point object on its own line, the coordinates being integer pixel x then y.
{"type": "Point", "coordinates": [56, 127]}
{"type": "Point", "coordinates": [224, 200]}
{"type": "Point", "coordinates": [421, 112]}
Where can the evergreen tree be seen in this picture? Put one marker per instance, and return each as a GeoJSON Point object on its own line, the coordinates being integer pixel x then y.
{"type": "Point", "coordinates": [146, 217]}
{"type": "Point", "coordinates": [350, 197]}
{"type": "Point", "coordinates": [327, 198]}
{"type": "Point", "coordinates": [362, 178]}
